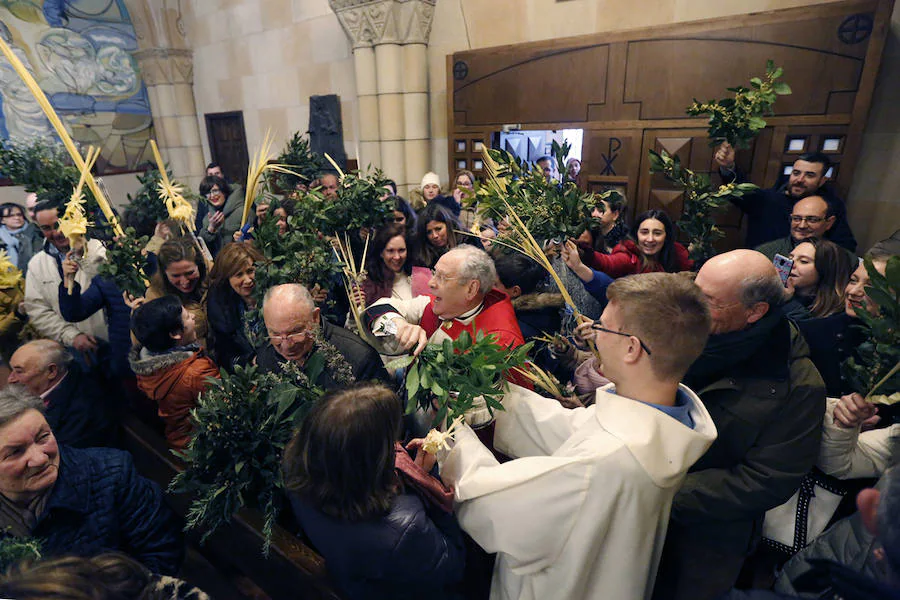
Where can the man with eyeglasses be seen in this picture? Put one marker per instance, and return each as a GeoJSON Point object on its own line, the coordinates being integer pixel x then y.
{"type": "Point", "coordinates": [582, 509]}
{"type": "Point", "coordinates": [767, 401]}
{"type": "Point", "coordinates": [462, 299]}
{"type": "Point", "coordinates": [42, 287]}
{"type": "Point", "coordinates": [767, 209]}
{"type": "Point", "coordinates": [296, 332]}
{"type": "Point", "coordinates": [811, 217]}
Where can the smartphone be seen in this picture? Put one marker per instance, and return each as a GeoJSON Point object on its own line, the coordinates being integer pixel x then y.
{"type": "Point", "coordinates": [783, 265]}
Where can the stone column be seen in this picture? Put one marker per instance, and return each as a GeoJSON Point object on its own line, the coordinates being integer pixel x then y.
{"type": "Point", "coordinates": [417, 142]}
{"type": "Point", "coordinates": [389, 66]}
{"type": "Point", "coordinates": [367, 95]}
{"type": "Point", "coordinates": [398, 32]}
{"type": "Point", "coordinates": [167, 68]}
{"type": "Point", "coordinates": [168, 75]}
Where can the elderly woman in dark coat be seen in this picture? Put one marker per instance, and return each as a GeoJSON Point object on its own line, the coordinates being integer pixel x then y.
{"type": "Point", "coordinates": [82, 501]}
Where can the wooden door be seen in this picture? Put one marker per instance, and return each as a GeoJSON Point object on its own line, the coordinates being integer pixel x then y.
{"type": "Point", "coordinates": [628, 91]}
{"type": "Point", "coordinates": [228, 144]}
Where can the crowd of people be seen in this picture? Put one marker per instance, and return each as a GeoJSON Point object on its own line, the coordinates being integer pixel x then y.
{"type": "Point", "coordinates": [703, 405]}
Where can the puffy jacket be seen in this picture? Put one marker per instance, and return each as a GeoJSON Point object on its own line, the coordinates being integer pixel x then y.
{"type": "Point", "coordinates": [102, 294]}
{"type": "Point", "coordinates": [625, 259]}
{"type": "Point", "coordinates": [100, 503]}
{"type": "Point", "coordinates": [81, 412]}
{"type": "Point", "coordinates": [174, 380]}
{"type": "Point", "coordinates": [412, 552]}
{"type": "Point", "coordinates": [42, 296]}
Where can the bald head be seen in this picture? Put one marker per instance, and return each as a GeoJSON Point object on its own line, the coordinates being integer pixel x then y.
{"type": "Point", "coordinates": [740, 287]}
{"type": "Point", "coordinates": [291, 319]}
{"type": "Point", "coordinates": [39, 365]}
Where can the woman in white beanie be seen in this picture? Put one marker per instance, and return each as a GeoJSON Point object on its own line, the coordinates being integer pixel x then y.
{"type": "Point", "coordinates": [431, 192]}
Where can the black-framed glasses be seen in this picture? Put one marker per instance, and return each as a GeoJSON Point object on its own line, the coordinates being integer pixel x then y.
{"type": "Point", "coordinates": [596, 326]}
{"type": "Point", "coordinates": [813, 220]}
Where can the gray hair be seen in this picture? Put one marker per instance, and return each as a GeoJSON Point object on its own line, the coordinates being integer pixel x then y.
{"type": "Point", "coordinates": [478, 265]}
{"type": "Point", "coordinates": [766, 287]}
{"type": "Point", "coordinates": [16, 400]}
{"type": "Point", "coordinates": [53, 353]}
{"type": "Point", "coordinates": [293, 292]}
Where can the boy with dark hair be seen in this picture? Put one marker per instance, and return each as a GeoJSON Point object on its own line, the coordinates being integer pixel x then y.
{"type": "Point", "coordinates": [171, 368]}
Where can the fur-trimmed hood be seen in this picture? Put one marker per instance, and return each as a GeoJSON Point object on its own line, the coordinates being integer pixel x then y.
{"type": "Point", "coordinates": [143, 363]}
{"type": "Point", "coordinates": [538, 301]}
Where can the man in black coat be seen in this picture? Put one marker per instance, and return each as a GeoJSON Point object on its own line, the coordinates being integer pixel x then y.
{"type": "Point", "coordinates": [297, 333]}
{"type": "Point", "coordinates": [78, 408]}
{"type": "Point", "coordinates": [768, 210]}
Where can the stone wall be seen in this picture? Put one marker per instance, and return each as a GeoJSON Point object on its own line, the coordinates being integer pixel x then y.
{"type": "Point", "coordinates": [266, 58]}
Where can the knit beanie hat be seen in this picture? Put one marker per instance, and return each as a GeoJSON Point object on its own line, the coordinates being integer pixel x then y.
{"type": "Point", "coordinates": [431, 178]}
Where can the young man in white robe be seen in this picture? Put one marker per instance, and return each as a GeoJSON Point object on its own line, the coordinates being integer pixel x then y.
{"type": "Point", "coordinates": [582, 510]}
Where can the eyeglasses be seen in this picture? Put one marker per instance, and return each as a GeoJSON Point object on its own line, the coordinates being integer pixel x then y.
{"type": "Point", "coordinates": [215, 192]}
{"type": "Point", "coordinates": [441, 278]}
{"type": "Point", "coordinates": [596, 326]}
{"type": "Point", "coordinates": [810, 220]}
{"type": "Point", "coordinates": [293, 338]}
{"type": "Point", "coordinates": [399, 219]}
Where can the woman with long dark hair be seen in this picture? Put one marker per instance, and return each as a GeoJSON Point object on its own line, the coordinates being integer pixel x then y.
{"type": "Point", "coordinates": [435, 234]}
{"type": "Point", "coordinates": [651, 248]}
{"type": "Point", "coordinates": [388, 266]}
{"type": "Point", "coordinates": [384, 525]}
{"type": "Point", "coordinates": [818, 278]}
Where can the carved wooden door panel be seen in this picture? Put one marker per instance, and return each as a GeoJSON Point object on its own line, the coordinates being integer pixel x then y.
{"type": "Point", "coordinates": [691, 146]}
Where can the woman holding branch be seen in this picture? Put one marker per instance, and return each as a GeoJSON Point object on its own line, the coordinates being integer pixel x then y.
{"type": "Point", "coordinates": [650, 249]}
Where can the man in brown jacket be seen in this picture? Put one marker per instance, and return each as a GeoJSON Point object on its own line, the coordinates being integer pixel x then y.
{"type": "Point", "coordinates": [170, 367]}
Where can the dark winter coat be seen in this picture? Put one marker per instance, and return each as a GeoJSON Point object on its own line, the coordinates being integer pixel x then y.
{"type": "Point", "coordinates": [81, 412]}
{"type": "Point", "coordinates": [100, 503]}
{"type": "Point", "coordinates": [226, 337]}
{"type": "Point", "coordinates": [102, 294]}
{"type": "Point", "coordinates": [412, 552]}
{"type": "Point", "coordinates": [768, 212]}
{"type": "Point", "coordinates": [363, 359]}
{"type": "Point", "coordinates": [831, 341]}
{"type": "Point", "coordinates": [768, 411]}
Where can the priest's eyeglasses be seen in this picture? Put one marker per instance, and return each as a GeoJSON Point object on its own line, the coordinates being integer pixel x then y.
{"type": "Point", "coordinates": [597, 326]}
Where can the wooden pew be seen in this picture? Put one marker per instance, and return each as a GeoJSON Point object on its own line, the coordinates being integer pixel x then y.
{"type": "Point", "coordinates": [292, 570]}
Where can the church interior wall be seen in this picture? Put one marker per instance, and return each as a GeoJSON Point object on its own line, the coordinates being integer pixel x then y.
{"type": "Point", "coordinates": [265, 58]}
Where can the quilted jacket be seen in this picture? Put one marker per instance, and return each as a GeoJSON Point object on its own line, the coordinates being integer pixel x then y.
{"type": "Point", "coordinates": [412, 552]}
{"type": "Point", "coordinates": [174, 380]}
{"type": "Point", "coordinates": [100, 503]}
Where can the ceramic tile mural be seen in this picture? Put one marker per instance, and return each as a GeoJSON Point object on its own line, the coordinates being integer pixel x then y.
{"type": "Point", "coordinates": [80, 53]}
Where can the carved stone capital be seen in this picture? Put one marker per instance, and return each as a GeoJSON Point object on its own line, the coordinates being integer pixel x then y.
{"type": "Point", "coordinates": [157, 24]}
{"type": "Point", "coordinates": [373, 22]}
{"type": "Point", "coordinates": [166, 65]}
